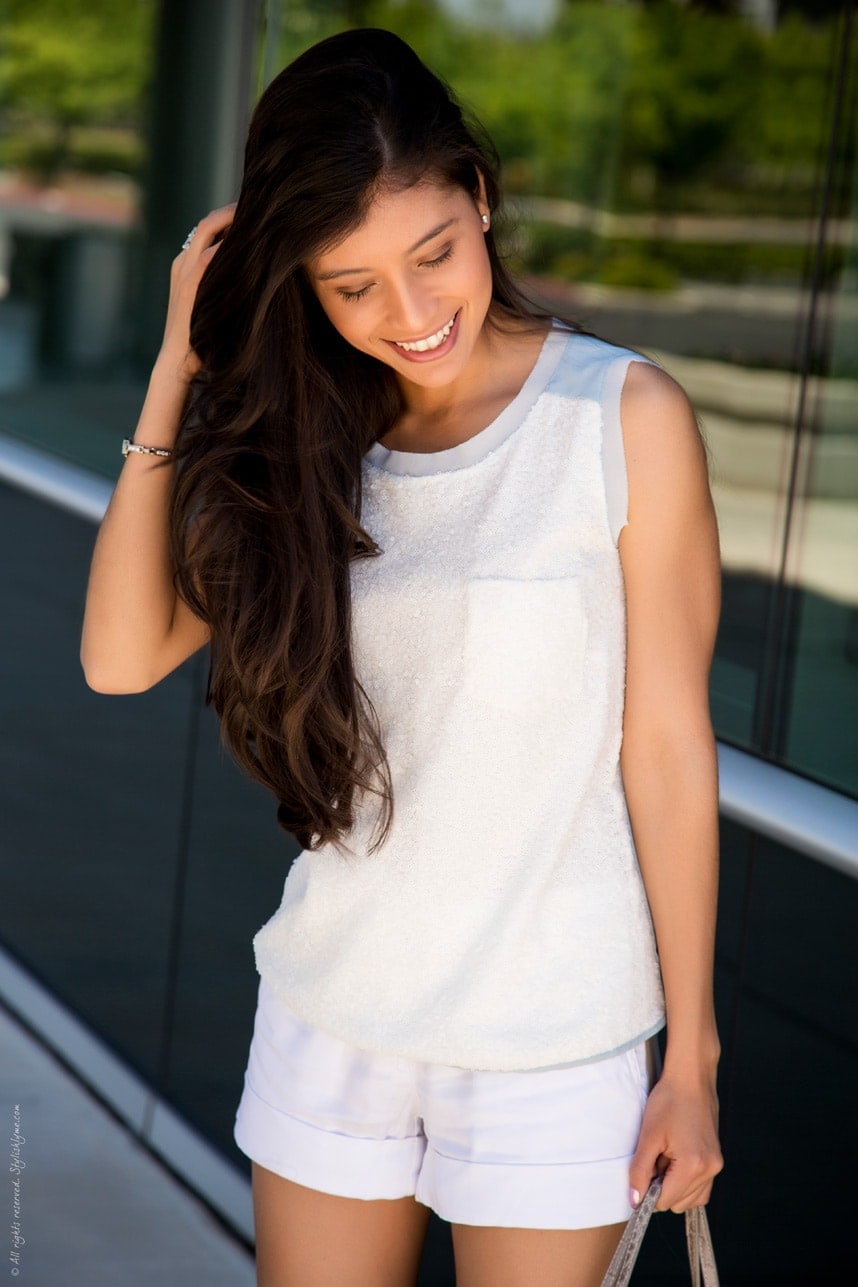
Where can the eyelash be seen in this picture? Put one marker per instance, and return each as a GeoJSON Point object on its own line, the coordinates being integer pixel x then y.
{"type": "Point", "coordinates": [350, 296]}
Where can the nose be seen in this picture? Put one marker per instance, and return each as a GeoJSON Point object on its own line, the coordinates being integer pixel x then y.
{"type": "Point", "coordinates": [412, 309]}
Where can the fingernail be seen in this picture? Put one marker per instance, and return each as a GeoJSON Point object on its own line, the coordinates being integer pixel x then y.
{"type": "Point", "coordinates": [634, 1197]}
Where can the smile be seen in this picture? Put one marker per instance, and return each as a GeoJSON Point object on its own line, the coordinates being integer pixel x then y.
{"type": "Point", "coordinates": [431, 342]}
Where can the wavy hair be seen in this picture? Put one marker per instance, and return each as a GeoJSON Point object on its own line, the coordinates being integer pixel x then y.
{"type": "Point", "coordinates": [266, 510]}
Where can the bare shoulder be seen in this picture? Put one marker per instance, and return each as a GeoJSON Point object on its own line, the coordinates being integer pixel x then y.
{"type": "Point", "coordinates": [664, 448]}
{"type": "Point", "coordinates": [656, 411]}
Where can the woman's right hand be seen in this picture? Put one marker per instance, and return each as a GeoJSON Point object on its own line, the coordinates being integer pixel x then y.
{"type": "Point", "coordinates": [176, 354]}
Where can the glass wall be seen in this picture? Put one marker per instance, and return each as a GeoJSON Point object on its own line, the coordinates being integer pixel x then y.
{"type": "Point", "coordinates": [813, 715]}
{"type": "Point", "coordinates": [682, 179]}
{"type": "Point", "coordinates": [73, 153]}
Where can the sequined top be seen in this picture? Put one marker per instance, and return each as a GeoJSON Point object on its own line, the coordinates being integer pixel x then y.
{"type": "Point", "coordinates": [503, 924]}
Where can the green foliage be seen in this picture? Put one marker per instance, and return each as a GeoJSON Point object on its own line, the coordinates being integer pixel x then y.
{"type": "Point", "coordinates": [76, 64]}
{"type": "Point", "coordinates": [692, 90]}
{"type": "Point", "coordinates": [68, 64]}
{"type": "Point", "coordinates": [540, 247]}
{"type": "Point", "coordinates": [550, 102]}
{"type": "Point", "coordinates": [570, 254]}
{"type": "Point", "coordinates": [794, 93]}
{"type": "Point", "coordinates": [89, 150]}
{"type": "Point", "coordinates": [638, 271]}
{"type": "Point", "coordinates": [630, 107]}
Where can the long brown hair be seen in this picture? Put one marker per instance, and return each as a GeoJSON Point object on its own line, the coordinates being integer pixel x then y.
{"type": "Point", "coordinates": [266, 510]}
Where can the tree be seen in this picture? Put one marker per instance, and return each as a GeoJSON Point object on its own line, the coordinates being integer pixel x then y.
{"type": "Point", "coordinates": [693, 87]}
{"type": "Point", "coordinates": [69, 64]}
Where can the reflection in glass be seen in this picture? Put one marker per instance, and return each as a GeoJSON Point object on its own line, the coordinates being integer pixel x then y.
{"type": "Point", "coordinates": [71, 159]}
{"type": "Point", "coordinates": [663, 164]}
{"type": "Point", "coordinates": [818, 731]}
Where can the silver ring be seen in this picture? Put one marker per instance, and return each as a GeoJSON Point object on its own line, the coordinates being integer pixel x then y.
{"type": "Point", "coordinates": [189, 237]}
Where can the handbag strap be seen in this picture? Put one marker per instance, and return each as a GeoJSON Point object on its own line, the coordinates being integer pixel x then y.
{"type": "Point", "coordinates": [701, 1254]}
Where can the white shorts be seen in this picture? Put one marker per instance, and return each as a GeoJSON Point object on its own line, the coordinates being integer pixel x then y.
{"type": "Point", "coordinates": [543, 1149]}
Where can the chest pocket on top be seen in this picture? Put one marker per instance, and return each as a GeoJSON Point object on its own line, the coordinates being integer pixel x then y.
{"type": "Point", "coordinates": [524, 644]}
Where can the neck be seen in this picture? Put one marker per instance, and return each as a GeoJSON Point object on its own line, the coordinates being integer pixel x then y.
{"type": "Point", "coordinates": [434, 419]}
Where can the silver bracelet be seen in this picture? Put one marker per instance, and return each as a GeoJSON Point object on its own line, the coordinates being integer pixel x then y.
{"type": "Point", "coordinates": [128, 446]}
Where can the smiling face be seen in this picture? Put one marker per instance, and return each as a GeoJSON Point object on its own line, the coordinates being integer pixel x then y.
{"type": "Point", "coordinates": [412, 285]}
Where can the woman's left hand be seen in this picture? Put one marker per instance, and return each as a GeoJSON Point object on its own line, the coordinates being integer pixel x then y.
{"type": "Point", "coordinates": [679, 1137]}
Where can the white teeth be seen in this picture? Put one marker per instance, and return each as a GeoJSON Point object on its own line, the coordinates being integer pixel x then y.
{"type": "Point", "coordinates": [433, 342]}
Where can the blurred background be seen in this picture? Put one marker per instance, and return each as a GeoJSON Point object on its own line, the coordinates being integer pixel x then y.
{"type": "Point", "coordinates": [682, 179]}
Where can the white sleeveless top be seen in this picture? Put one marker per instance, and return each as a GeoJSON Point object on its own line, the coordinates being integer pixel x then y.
{"type": "Point", "coordinates": [503, 924]}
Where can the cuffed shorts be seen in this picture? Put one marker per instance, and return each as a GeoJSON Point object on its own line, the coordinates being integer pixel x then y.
{"type": "Point", "coordinates": [542, 1149]}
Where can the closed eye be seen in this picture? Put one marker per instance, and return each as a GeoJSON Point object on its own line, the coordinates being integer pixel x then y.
{"type": "Point", "coordinates": [441, 259]}
{"type": "Point", "coordinates": [351, 295]}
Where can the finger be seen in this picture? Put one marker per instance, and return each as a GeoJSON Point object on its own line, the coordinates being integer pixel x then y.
{"type": "Point", "coordinates": [644, 1166]}
{"type": "Point", "coordinates": [214, 223]}
{"type": "Point", "coordinates": [681, 1191]}
{"type": "Point", "coordinates": [190, 268]}
{"type": "Point", "coordinates": [209, 231]}
{"type": "Point", "coordinates": [688, 1182]}
{"type": "Point", "coordinates": [699, 1196]}
{"type": "Point", "coordinates": [223, 213]}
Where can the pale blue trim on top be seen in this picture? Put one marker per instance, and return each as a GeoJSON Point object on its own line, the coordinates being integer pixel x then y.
{"type": "Point", "coordinates": [570, 365]}
{"type": "Point", "coordinates": [652, 1031]}
{"type": "Point", "coordinates": [475, 448]}
{"type": "Point", "coordinates": [582, 375]}
{"type": "Point", "coordinates": [614, 469]}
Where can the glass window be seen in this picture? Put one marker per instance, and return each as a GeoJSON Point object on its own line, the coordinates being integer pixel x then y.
{"type": "Point", "coordinates": [71, 160]}
{"type": "Point", "coordinates": [91, 795]}
{"type": "Point", "coordinates": [787, 1004]}
{"type": "Point", "coordinates": [817, 698]}
{"type": "Point", "coordinates": [666, 164]}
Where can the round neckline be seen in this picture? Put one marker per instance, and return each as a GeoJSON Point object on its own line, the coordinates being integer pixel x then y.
{"type": "Point", "coordinates": [484, 441]}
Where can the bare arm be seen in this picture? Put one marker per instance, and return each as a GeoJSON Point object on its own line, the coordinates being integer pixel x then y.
{"type": "Point", "coordinates": [136, 628]}
{"type": "Point", "coordinates": [669, 552]}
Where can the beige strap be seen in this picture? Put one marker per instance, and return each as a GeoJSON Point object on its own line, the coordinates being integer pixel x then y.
{"type": "Point", "coordinates": [701, 1255]}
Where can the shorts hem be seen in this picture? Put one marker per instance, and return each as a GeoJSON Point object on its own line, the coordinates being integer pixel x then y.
{"type": "Point", "coordinates": [321, 1159]}
{"type": "Point", "coordinates": [577, 1195]}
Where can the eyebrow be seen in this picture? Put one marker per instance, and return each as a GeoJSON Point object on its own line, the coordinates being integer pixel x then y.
{"type": "Point", "coordinates": [345, 272]}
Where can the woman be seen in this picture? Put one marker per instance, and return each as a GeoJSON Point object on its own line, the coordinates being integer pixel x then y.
{"type": "Point", "coordinates": [457, 562]}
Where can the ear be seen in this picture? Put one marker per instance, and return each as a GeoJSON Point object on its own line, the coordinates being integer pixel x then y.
{"type": "Point", "coordinates": [481, 202]}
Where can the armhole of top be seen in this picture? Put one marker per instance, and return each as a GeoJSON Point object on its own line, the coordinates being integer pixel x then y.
{"type": "Point", "coordinates": [613, 449]}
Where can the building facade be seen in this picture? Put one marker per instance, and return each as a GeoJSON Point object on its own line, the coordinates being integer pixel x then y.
{"type": "Point", "coordinates": [682, 179]}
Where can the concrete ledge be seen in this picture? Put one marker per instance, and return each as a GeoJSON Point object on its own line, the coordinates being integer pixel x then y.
{"type": "Point", "coordinates": [92, 1059]}
{"type": "Point", "coordinates": [191, 1156]}
{"type": "Point", "coordinates": [155, 1123]}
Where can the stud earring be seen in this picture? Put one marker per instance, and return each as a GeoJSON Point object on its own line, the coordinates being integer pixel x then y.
{"type": "Point", "coordinates": [486, 220]}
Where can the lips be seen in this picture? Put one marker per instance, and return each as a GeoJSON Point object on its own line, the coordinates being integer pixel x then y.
{"type": "Point", "coordinates": [430, 346]}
